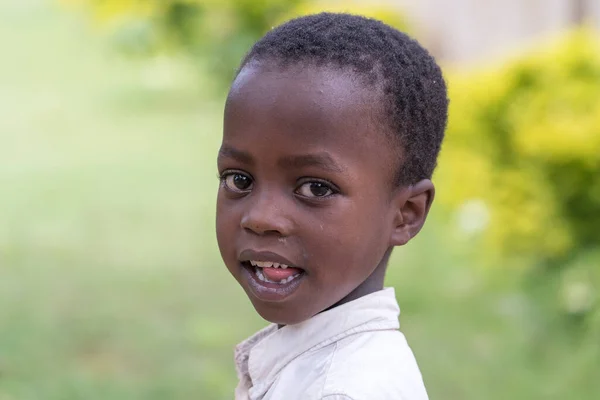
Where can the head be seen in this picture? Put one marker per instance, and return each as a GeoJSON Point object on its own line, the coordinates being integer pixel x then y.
{"type": "Point", "coordinates": [332, 129]}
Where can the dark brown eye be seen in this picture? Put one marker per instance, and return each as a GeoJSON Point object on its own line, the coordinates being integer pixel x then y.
{"type": "Point", "coordinates": [315, 189]}
{"type": "Point", "coordinates": [237, 182]}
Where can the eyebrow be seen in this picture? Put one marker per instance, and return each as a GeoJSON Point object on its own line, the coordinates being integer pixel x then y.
{"type": "Point", "coordinates": [321, 160]}
{"type": "Point", "coordinates": [230, 152]}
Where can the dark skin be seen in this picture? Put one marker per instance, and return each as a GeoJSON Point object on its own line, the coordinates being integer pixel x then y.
{"type": "Point", "coordinates": [307, 172]}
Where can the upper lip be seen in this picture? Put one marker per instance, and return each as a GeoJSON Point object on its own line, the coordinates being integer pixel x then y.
{"type": "Point", "coordinates": [254, 255]}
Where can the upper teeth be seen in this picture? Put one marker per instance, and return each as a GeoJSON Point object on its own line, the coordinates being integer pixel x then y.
{"type": "Point", "coordinates": [268, 264]}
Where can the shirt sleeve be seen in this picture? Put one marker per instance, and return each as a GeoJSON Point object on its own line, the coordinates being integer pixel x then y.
{"type": "Point", "coordinates": [336, 397]}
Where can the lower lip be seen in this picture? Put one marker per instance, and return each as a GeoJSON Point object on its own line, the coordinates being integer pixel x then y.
{"type": "Point", "coordinates": [267, 291]}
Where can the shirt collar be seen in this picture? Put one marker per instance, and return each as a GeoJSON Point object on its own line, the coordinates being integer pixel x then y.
{"type": "Point", "coordinates": [261, 357]}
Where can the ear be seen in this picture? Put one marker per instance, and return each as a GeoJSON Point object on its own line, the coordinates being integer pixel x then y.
{"type": "Point", "coordinates": [412, 205]}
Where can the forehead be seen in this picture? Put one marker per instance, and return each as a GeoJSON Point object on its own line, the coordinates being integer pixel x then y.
{"type": "Point", "coordinates": [307, 103]}
{"type": "Point", "coordinates": [320, 90]}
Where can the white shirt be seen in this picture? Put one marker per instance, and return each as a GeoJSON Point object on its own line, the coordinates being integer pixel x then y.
{"type": "Point", "coordinates": [351, 352]}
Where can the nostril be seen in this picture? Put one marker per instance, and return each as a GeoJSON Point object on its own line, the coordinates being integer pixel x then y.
{"type": "Point", "coordinates": [262, 232]}
{"type": "Point", "coordinates": [267, 214]}
{"type": "Point", "coordinates": [265, 225]}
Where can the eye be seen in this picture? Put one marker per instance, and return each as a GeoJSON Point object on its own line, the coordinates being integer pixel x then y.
{"type": "Point", "coordinates": [237, 182]}
{"type": "Point", "coordinates": [315, 189]}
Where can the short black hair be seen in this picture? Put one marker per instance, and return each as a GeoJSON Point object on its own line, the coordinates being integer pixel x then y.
{"type": "Point", "coordinates": [413, 89]}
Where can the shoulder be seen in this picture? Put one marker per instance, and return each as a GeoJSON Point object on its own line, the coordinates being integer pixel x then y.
{"type": "Point", "coordinates": [375, 366]}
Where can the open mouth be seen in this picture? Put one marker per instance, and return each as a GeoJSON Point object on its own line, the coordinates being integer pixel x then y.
{"type": "Point", "coordinates": [271, 280]}
{"type": "Point", "coordinates": [272, 272]}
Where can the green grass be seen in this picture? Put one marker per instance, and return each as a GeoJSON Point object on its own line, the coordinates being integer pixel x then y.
{"type": "Point", "coordinates": [111, 286]}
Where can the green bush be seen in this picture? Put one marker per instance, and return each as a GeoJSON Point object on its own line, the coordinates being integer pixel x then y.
{"type": "Point", "coordinates": [524, 142]}
{"type": "Point", "coordinates": [217, 33]}
{"type": "Point", "coordinates": [521, 170]}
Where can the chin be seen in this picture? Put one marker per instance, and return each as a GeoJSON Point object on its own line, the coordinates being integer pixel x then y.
{"type": "Point", "coordinates": [279, 314]}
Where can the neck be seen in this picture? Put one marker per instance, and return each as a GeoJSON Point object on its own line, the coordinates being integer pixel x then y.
{"type": "Point", "coordinates": [372, 284]}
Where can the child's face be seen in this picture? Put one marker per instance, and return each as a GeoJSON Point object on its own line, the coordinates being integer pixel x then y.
{"type": "Point", "coordinates": [306, 182]}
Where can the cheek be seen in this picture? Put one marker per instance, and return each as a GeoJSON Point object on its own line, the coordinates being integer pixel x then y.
{"type": "Point", "coordinates": [226, 223]}
{"type": "Point", "coordinates": [348, 237]}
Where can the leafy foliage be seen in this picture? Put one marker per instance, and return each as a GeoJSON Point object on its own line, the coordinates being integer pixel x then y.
{"type": "Point", "coordinates": [521, 166]}
{"type": "Point", "coordinates": [216, 32]}
{"type": "Point", "coordinates": [524, 139]}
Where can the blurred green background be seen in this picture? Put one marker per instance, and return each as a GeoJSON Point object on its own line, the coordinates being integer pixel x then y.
{"type": "Point", "coordinates": [111, 285]}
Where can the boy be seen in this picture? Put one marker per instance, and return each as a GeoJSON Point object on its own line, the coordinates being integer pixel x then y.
{"type": "Point", "coordinates": [331, 132]}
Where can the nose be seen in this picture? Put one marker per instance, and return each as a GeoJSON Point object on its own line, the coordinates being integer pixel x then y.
{"type": "Point", "coordinates": [266, 215]}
